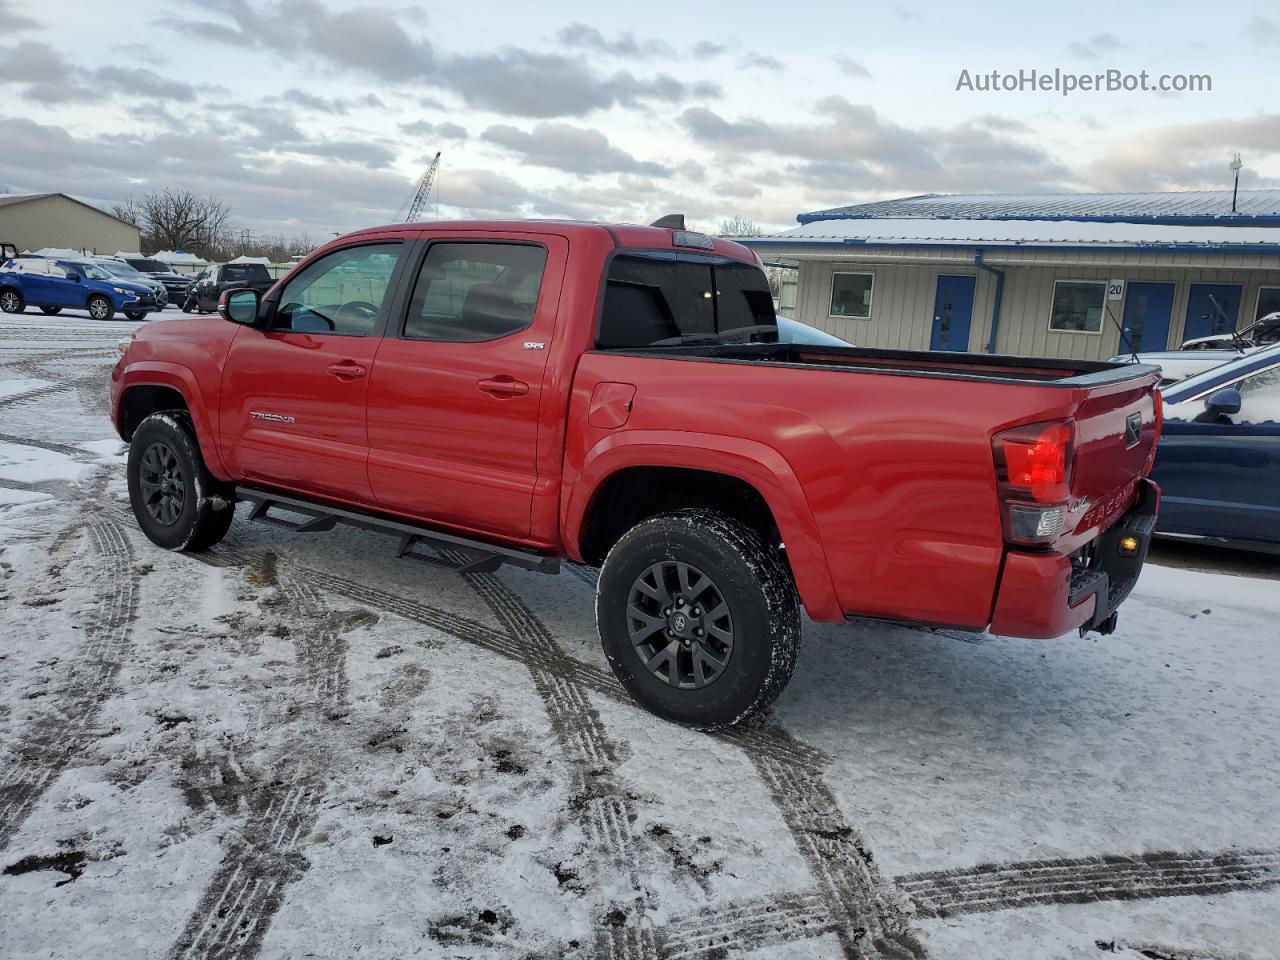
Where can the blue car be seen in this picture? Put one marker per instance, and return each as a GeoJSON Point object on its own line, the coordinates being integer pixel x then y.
{"type": "Point", "coordinates": [52, 285]}
{"type": "Point", "coordinates": [1218, 461]}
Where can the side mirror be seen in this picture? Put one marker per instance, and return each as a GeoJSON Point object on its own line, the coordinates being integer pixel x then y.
{"type": "Point", "coordinates": [75, 278]}
{"type": "Point", "coordinates": [240, 306]}
{"type": "Point", "coordinates": [1225, 402]}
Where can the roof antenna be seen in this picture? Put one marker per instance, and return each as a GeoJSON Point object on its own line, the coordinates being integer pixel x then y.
{"type": "Point", "coordinates": [1235, 168]}
{"type": "Point", "coordinates": [672, 221]}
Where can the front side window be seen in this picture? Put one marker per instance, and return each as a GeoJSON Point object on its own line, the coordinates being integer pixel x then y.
{"type": "Point", "coordinates": [341, 293]}
{"type": "Point", "coordinates": [471, 292]}
{"type": "Point", "coordinates": [666, 301]}
{"type": "Point", "coordinates": [851, 295]}
{"type": "Point", "coordinates": [1077, 306]}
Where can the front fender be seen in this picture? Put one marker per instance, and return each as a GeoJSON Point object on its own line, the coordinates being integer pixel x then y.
{"type": "Point", "coordinates": [752, 462]}
{"type": "Point", "coordinates": [162, 373]}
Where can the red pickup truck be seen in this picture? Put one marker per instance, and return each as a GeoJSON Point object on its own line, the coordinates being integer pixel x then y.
{"type": "Point", "coordinates": [522, 392]}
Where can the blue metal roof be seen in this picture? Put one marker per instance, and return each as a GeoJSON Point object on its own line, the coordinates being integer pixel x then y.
{"type": "Point", "coordinates": [1188, 208]}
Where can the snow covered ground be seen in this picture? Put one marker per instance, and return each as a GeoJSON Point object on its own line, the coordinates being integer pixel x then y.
{"type": "Point", "coordinates": [298, 746]}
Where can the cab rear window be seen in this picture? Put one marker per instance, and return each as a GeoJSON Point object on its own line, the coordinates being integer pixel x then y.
{"type": "Point", "coordinates": [668, 300]}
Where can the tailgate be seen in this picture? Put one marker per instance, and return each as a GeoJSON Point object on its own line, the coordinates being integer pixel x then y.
{"type": "Point", "coordinates": [1116, 429]}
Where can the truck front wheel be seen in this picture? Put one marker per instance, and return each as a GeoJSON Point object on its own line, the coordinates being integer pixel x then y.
{"type": "Point", "coordinates": [698, 617]}
{"type": "Point", "coordinates": [178, 504]}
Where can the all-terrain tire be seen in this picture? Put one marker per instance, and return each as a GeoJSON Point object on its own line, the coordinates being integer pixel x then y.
{"type": "Point", "coordinates": [749, 578]}
{"type": "Point", "coordinates": [164, 448]}
{"type": "Point", "coordinates": [100, 308]}
{"type": "Point", "coordinates": [12, 301]}
{"type": "Point", "coordinates": [50, 311]}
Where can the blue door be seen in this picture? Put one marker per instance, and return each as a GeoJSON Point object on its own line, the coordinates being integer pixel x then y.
{"type": "Point", "coordinates": [952, 312]}
{"type": "Point", "coordinates": [1211, 308]}
{"type": "Point", "coordinates": [63, 290]}
{"type": "Point", "coordinates": [1148, 307]}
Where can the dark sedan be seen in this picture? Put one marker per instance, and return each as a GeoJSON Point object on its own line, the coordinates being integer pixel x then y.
{"type": "Point", "coordinates": [1218, 461]}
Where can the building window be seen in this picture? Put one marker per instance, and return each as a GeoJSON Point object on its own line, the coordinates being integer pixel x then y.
{"type": "Point", "coordinates": [1268, 302]}
{"type": "Point", "coordinates": [851, 295]}
{"type": "Point", "coordinates": [1077, 306]}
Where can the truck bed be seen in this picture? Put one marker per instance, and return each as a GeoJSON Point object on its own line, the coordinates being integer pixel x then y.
{"type": "Point", "coordinates": [990, 368]}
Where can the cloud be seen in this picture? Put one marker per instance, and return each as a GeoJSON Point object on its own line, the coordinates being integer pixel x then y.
{"type": "Point", "coordinates": [338, 106]}
{"type": "Point", "coordinates": [851, 68]}
{"type": "Point", "coordinates": [15, 22]}
{"type": "Point", "coordinates": [569, 148]}
{"type": "Point", "coordinates": [1263, 30]}
{"type": "Point", "coordinates": [583, 37]}
{"type": "Point", "coordinates": [372, 40]}
{"type": "Point", "coordinates": [1186, 156]}
{"type": "Point", "coordinates": [46, 77]}
{"type": "Point", "coordinates": [444, 131]}
{"type": "Point", "coordinates": [850, 146]}
{"type": "Point", "coordinates": [1098, 45]}
{"type": "Point", "coordinates": [760, 61]}
{"type": "Point", "coordinates": [707, 49]}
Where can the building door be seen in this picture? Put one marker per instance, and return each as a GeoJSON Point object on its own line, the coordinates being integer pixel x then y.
{"type": "Point", "coordinates": [952, 312]}
{"type": "Point", "coordinates": [1211, 308]}
{"type": "Point", "coordinates": [1148, 307]}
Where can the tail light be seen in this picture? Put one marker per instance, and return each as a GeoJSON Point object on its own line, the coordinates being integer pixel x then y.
{"type": "Point", "coordinates": [1033, 476]}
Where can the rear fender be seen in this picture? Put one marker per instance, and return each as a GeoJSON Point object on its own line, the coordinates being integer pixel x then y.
{"type": "Point", "coordinates": [749, 461]}
{"type": "Point", "coordinates": [160, 373]}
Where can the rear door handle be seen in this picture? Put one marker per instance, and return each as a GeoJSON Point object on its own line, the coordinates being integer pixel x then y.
{"type": "Point", "coordinates": [347, 370]}
{"type": "Point", "coordinates": [504, 386]}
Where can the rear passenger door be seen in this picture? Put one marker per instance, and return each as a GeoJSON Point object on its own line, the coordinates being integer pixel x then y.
{"type": "Point", "coordinates": [456, 385]}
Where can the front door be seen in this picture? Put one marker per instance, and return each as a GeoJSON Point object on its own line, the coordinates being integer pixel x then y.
{"type": "Point", "coordinates": [293, 395]}
{"type": "Point", "coordinates": [454, 397]}
{"type": "Point", "coordinates": [1220, 475]}
{"type": "Point", "coordinates": [952, 313]}
{"type": "Point", "coordinates": [1211, 308]}
{"type": "Point", "coordinates": [1148, 307]}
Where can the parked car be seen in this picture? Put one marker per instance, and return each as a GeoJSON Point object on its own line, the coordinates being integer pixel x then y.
{"type": "Point", "coordinates": [1261, 333]}
{"type": "Point", "coordinates": [175, 283]}
{"type": "Point", "coordinates": [1177, 365]}
{"type": "Point", "coordinates": [53, 285]}
{"type": "Point", "coordinates": [207, 287]}
{"type": "Point", "coordinates": [123, 271]}
{"type": "Point", "coordinates": [1219, 456]}
{"type": "Point", "coordinates": [793, 331]}
{"type": "Point", "coordinates": [522, 392]}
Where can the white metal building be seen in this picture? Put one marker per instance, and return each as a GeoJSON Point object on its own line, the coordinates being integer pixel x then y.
{"type": "Point", "coordinates": [1057, 275]}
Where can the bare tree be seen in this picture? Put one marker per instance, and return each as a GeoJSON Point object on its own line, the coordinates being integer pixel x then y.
{"type": "Point", "coordinates": [176, 219]}
{"type": "Point", "coordinates": [739, 227]}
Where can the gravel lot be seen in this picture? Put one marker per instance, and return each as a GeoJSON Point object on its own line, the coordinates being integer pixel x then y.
{"type": "Point", "coordinates": [298, 746]}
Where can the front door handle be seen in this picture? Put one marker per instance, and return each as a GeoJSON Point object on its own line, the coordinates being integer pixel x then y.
{"type": "Point", "coordinates": [347, 370]}
{"type": "Point", "coordinates": [504, 386]}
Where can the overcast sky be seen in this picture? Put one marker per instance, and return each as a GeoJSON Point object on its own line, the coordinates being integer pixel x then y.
{"type": "Point", "coordinates": [318, 115]}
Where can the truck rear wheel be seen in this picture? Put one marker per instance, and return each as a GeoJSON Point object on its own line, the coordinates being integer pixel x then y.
{"type": "Point", "coordinates": [699, 619]}
{"type": "Point", "coordinates": [178, 504]}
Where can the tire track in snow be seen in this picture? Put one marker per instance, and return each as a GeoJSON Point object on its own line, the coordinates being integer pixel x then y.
{"type": "Point", "coordinates": [48, 744]}
{"type": "Point", "coordinates": [237, 907]}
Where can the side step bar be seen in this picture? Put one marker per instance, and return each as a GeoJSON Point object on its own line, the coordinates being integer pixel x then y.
{"type": "Point", "coordinates": [484, 557]}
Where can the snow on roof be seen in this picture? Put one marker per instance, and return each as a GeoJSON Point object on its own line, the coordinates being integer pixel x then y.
{"type": "Point", "coordinates": [1019, 233]}
{"type": "Point", "coordinates": [59, 253]}
{"type": "Point", "coordinates": [243, 259]}
{"type": "Point", "coordinates": [1196, 205]}
{"type": "Point", "coordinates": [177, 256]}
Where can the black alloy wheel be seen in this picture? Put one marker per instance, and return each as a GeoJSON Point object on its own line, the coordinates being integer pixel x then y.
{"type": "Point", "coordinates": [164, 488]}
{"type": "Point", "coordinates": [680, 624]}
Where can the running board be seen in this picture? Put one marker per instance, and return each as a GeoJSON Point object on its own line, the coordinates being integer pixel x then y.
{"type": "Point", "coordinates": [481, 557]}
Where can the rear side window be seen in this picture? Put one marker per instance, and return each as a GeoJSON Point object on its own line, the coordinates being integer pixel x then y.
{"type": "Point", "coordinates": [470, 292]}
{"type": "Point", "coordinates": [664, 301]}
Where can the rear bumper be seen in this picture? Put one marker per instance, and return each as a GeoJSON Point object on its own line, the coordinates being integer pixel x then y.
{"type": "Point", "coordinates": [1041, 595]}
